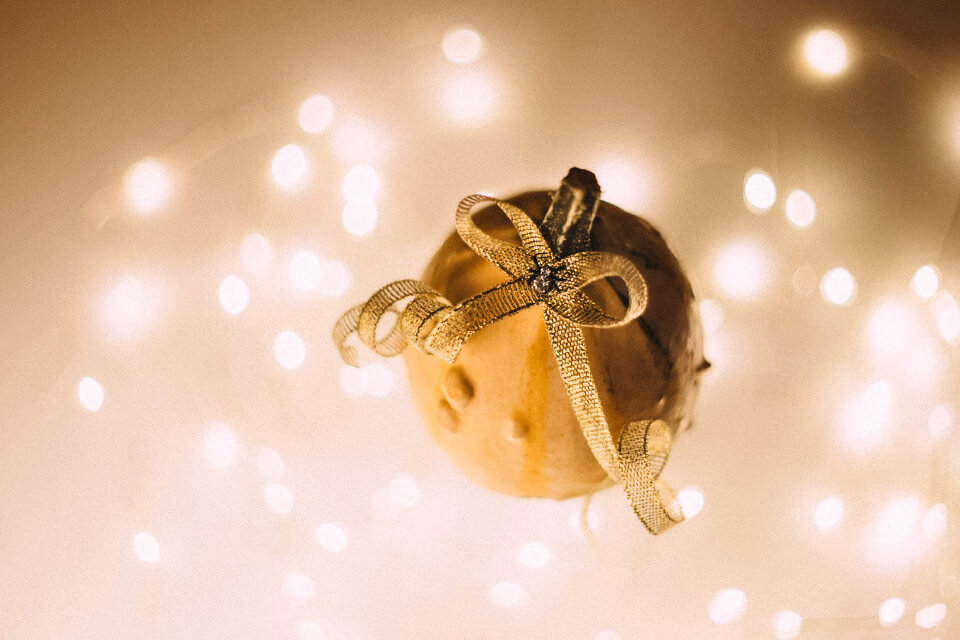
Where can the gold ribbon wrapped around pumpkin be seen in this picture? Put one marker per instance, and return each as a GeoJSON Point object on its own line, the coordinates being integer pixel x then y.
{"type": "Point", "coordinates": [537, 276]}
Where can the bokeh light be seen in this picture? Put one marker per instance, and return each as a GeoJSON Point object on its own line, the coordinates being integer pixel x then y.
{"type": "Point", "coordinates": [331, 536]}
{"type": "Point", "coordinates": [624, 184]}
{"type": "Point", "coordinates": [270, 465]}
{"type": "Point", "coordinates": [148, 186]}
{"type": "Point", "coordinates": [800, 208]}
{"type": "Point", "coordinates": [691, 501]}
{"type": "Point", "coordinates": [728, 605]}
{"type": "Point", "coordinates": [896, 525]}
{"type": "Point", "coordinates": [316, 114]}
{"type": "Point", "coordinates": [711, 315]}
{"type": "Point", "coordinates": [509, 594]}
{"type": "Point", "coordinates": [360, 218]}
{"type": "Point", "coordinates": [941, 421]}
{"type": "Point", "coordinates": [310, 630]}
{"type": "Point", "coordinates": [926, 281]}
{"type": "Point", "coordinates": [353, 380]}
{"type": "Point", "coordinates": [90, 393]}
{"type": "Point", "coordinates": [865, 422]}
{"type": "Point", "coordinates": [126, 307]}
{"type": "Point", "coordinates": [335, 278]}
{"type": "Point", "coordinates": [826, 52]}
{"type": "Point", "coordinates": [221, 448]}
{"type": "Point", "coordinates": [742, 270]}
{"type": "Point", "coordinates": [361, 184]}
{"type": "Point", "coordinates": [838, 286]}
{"type": "Point", "coordinates": [462, 45]}
{"type": "Point", "coordinates": [404, 491]}
{"type": "Point", "coordinates": [534, 555]}
{"type": "Point", "coordinates": [234, 294]}
{"type": "Point", "coordinates": [469, 99]}
{"type": "Point", "coordinates": [305, 270]}
{"type": "Point", "coordinates": [947, 314]}
{"type": "Point", "coordinates": [356, 141]}
{"type": "Point", "coordinates": [829, 512]}
{"type": "Point", "coordinates": [279, 498]}
{"type": "Point", "coordinates": [255, 253]}
{"type": "Point", "coordinates": [379, 380]}
{"type": "Point", "coordinates": [289, 166]}
{"type": "Point", "coordinates": [298, 588]}
{"type": "Point", "coordinates": [289, 349]}
{"type": "Point", "coordinates": [146, 547]}
{"type": "Point", "coordinates": [892, 328]}
{"type": "Point", "coordinates": [930, 616]}
{"type": "Point", "coordinates": [787, 624]}
{"type": "Point", "coordinates": [759, 191]}
{"type": "Point", "coordinates": [934, 523]}
{"type": "Point", "coordinates": [890, 612]}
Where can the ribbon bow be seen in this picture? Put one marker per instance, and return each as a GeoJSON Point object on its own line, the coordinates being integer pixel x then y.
{"type": "Point", "coordinates": [537, 276]}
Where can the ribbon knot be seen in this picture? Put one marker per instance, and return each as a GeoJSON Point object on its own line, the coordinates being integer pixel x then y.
{"type": "Point", "coordinates": [536, 276]}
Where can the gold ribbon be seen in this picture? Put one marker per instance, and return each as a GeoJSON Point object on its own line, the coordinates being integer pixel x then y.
{"type": "Point", "coordinates": [537, 276]}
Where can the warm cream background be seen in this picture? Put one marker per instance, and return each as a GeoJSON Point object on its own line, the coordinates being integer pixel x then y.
{"type": "Point", "coordinates": [693, 95]}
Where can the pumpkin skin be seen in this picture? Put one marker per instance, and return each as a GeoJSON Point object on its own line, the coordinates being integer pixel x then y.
{"type": "Point", "coordinates": [501, 412]}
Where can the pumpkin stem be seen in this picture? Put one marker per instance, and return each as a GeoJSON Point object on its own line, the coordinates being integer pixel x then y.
{"type": "Point", "coordinates": [567, 224]}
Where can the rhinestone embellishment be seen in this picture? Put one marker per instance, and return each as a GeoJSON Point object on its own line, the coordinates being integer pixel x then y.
{"type": "Point", "coordinates": [543, 281]}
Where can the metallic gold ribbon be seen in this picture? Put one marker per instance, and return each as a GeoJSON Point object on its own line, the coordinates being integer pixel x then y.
{"type": "Point", "coordinates": [537, 276]}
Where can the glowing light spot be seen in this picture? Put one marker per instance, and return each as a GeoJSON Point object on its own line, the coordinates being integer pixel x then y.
{"type": "Point", "coordinates": [935, 521]}
{"type": "Point", "coordinates": [624, 184]}
{"type": "Point", "coordinates": [289, 349]}
{"type": "Point", "coordinates": [316, 114]}
{"type": "Point", "coordinates": [691, 501]}
{"type": "Point", "coordinates": [335, 278]}
{"type": "Point", "coordinates": [864, 422]}
{"type": "Point", "coordinates": [941, 421]}
{"type": "Point", "coordinates": [289, 166]}
{"type": "Point", "coordinates": [947, 314]}
{"type": "Point", "coordinates": [534, 555]}
{"type": "Point", "coordinates": [270, 465]}
{"type": "Point", "coordinates": [255, 253]}
{"type": "Point", "coordinates": [727, 606]}
{"type": "Point", "coordinates": [509, 594]}
{"type": "Point", "coordinates": [126, 305]}
{"type": "Point", "coordinates": [353, 380]}
{"type": "Point", "coordinates": [305, 270]}
{"type": "Point", "coordinates": [829, 513]}
{"type": "Point", "coordinates": [220, 445]}
{"type": "Point", "coordinates": [360, 218]}
{"type": "Point", "coordinates": [892, 328]}
{"type": "Point", "coordinates": [711, 314]}
{"type": "Point", "coordinates": [298, 588]}
{"type": "Point", "coordinates": [404, 491]}
{"type": "Point", "coordinates": [356, 141]}
{"type": "Point", "coordinates": [826, 52]}
{"type": "Point", "coordinates": [801, 209]}
{"type": "Point", "coordinates": [759, 191]}
{"type": "Point", "coordinates": [890, 612]}
{"type": "Point", "coordinates": [926, 281]}
{"type": "Point", "coordinates": [462, 45]}
{"type": "Point", "coordinates": [148, 186]}
{"type": "Point", "coordinates": [469, 99]}
{"type": "Point", "coordinates": [804, 280]}
{"type": "Point", "coordinates": [146, 547]}
{"type": "Point", "coordinates": [379, 380]}
{"type": "Point", "coordinates": [896, 524]}
{"type": "Point", "coordinates": [607, 634]}
{"type": "Point", "coordinates": [787, 624]}
{"type": "Point", "coordinates": [742, 270]}
{"type": "Point", "coordinates": [361, 184]}
{"type": "Point", "coordinates": [332, 537]}
{"type": "Point", "coordinates": [931, 616]}
{"type": "Point", "coordinates": [91, 394]}
{"type": "Point", "coordinates": [278, 497]}
{"type": "Point", "coordinates": [310, 630]}
{"type": "Point", "coordinates": [838, 286]}
{"type": "Point", "coordinates": [234, 295]}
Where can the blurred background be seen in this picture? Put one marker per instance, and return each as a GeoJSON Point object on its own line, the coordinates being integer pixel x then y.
{"type": "Point", "coordinates": [192, 193]}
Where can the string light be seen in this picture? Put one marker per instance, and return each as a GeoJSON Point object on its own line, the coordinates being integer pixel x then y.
{"type": "Point", "coordinates": [91, 394]}
{"type": "Point", "coordinates": [360, 218]}
{"type": "Point", "coordinates": [742, 270]}
{"type": "Point", "coordinates": [378, 380]}
{"type": "Point", "coordinates": [865, 422]}
{"type": "Point", "coordinates": [759, 191]}
{"type": "Point", "coordinates": [826, 53]}
{"type": "Point", "coordinates": [930, 616]}
{"type": "Point", "coordinates": [404, 491]}
{"type": "Point", "coordinates": [895, 526]}
{"type": "Point", "coordinates": [941, 420]}
{"type": "Point", "coordinates": [462, 45]}
{"type": "Point", "coordinates": [355, 140]}
{"type": "Point", "coordinates": [270, 465]}
{"type": "Point", "coordinates": [220, 445]}
{"type": "Point", "coordinates": [892, 328]}
{"type": "Point", "coordinates": [234, 295]}
{"type": "Point", "coordinates": [361, 184]}
{"type": "Point", "coordinates": [332, 537]}
{"type": "Point", "coordinates": [838, 286]}
{"type": "Point", "coordinates": [509, 594]}
{"type": "Point", "coordinates": [305, 271]}
{"type": "Point", "coordinates": [800, 208]}
{"type": "Point", "coordinates": [534, 555]}
{"type": "Point", "coordinates": [126, 306]}
{"type": "Point", "coordinates": [947, 315]}
{"type": "Point", "coordinates": [148, 186]}
{"type": "Point", "coordinates": [787, 624]}
{"type": "Point", "coordinates": [298, 588]}
{"type": "Point", "coordinates": [289, 166]}
{"type": "Point", "coordinates": [828, 513]}
{"type": "Point", "coordinates": [289, 349]}
{"type": "Point", "coordinates": [935, 521]}
{"type": "Point", "coordinates": [146, 547]}
{"type": "Point", "coordinates": [926, 281]}
{"type": "Point", "coordinates": [469, 99]}
{"type": "Point", "coordinates": [727, 606]}
{"type": "Point", "coordinates": [891, 610]}
{"type": "Point", "coordinates": [278, 497]}
{"type": "Point", "coordinates": [255, 253]}
{"type": "Point", "coordinates": [691, 501]}
{"type": "Point", "coordinates": [316, 114]}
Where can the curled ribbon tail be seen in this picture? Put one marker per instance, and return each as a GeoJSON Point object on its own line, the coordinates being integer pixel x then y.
{"type": "Point", "coordinates": [643, 449]}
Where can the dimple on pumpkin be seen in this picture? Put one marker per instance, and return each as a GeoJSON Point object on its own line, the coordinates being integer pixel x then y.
{"type": "Point", "coordinates": [501, 411]}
